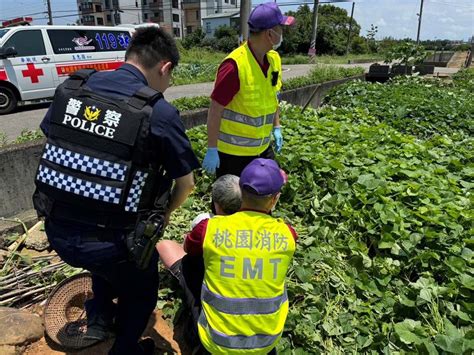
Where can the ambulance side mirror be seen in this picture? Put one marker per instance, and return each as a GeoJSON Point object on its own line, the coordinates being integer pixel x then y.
{"type": "Point", "coordinates": [6, 52]}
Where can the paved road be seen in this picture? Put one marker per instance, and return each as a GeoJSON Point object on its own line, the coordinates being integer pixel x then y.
{"type": "Point", "coordinates": [29, 117]}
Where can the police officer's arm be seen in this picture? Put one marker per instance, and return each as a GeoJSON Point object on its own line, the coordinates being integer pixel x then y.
{"type": "Point", "coordinates": [174, 151]}
{"type": "Point", "coordinates": [213, 123]}
{"type": "Point", "coordinates": [183, 186]}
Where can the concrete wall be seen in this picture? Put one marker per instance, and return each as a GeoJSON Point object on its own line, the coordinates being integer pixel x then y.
{"type": "Point", "coordinates": [18, 163]}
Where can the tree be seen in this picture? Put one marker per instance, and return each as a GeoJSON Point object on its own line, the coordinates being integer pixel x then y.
{"type": "Point", "coordinates": [371, 43]}
{"type": "Point", "coordinates": [194, 39]}
{"type": "Point", "coordinates": [227, 38]}
{"type": "Point", "coordinates": [333, 29]}
{"type": "Point", "coordinates": [358, 46]}
{"type": "Point", "coordinates": [225, 31]}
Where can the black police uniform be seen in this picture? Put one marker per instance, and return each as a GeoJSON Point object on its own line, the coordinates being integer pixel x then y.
{"type": "Point", "coordinates": [104, 252]}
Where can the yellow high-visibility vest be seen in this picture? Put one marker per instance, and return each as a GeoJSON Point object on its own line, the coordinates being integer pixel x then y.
{"type": "Point", "coordinates": [244, 300]}
{"type": "Point", "coordinates": [247, 121]}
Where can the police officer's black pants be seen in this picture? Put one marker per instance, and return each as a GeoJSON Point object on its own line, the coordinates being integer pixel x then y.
{"type": "Point", "coordinates": [113, 277]}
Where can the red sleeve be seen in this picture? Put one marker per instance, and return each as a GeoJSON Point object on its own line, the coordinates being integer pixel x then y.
{"type": "Point", "coordinates": [227, 83]}
{"type": "Point", "coordinates": [293, 232]}
{"type": "Point", "coordinates": [195, 239]}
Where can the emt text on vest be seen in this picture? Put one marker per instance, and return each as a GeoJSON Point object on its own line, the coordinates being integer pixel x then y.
{"type": "Point", "coordinates": [249, 271]}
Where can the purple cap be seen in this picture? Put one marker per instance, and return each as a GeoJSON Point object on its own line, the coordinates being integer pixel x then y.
{"type": "Point", "coordinates": [268, 15]}
{"type": "Point", "coordinates": [262, 177]}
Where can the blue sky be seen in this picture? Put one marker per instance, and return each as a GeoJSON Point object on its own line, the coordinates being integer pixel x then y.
{"type": "Point", "coordinates": [451, 19]}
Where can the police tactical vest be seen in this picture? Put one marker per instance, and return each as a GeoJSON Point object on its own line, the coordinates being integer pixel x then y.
{"type": "Point", "coordinates": [244, 300]}
{"type": "Point", "coordinates": [247, 121]}
{"type": "Point", "coordinates": [97, 165]}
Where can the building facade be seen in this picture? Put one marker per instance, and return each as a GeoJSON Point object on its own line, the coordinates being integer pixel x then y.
{"type": "Point", "coordinates": [211, 22]}
{"type": "Point", "coordinates": [179, 17]}
{"type": "Point", "coordinates": [195, 11]}
{"type": "Point", "coordinates": [166, 13]}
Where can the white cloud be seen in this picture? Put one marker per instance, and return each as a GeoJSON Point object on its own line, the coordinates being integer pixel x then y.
{"type": "Point", "coordinates": [447, 20]}
{"type": "Point", "coordinates": [381, 22]}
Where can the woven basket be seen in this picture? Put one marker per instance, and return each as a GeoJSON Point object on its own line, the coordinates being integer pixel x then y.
{"type": "Point", "coordinates": [64, 314]}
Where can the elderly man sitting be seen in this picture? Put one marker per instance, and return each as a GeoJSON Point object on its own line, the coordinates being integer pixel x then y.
{"type": "Point", "coordinates": [189, 270]}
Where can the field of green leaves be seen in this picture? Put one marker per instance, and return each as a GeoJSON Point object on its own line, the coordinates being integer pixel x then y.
{"type": "Point", "coordinates": [380, 192]}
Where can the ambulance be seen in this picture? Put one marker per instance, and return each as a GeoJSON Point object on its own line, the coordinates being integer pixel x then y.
{"type": "Point", "coordinates": [34, 60]}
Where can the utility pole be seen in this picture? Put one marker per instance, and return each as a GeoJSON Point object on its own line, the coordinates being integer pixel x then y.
{"type": "Point", "coordinates": [312, 46]}
{"type": "Point", "coordinates": [419, 23]}
{"type": "Point", "coordinates": [50, 15]}
{"type": "Point", "coordinates": [245, 6]}
{"type": "Point", "coordinates": [350, 29]}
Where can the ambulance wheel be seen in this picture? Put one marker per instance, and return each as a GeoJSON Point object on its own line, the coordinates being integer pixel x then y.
{"type": "Point", "coordinates": [8, 100]}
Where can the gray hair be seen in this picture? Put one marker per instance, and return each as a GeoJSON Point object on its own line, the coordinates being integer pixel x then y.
{"type": "Point", "coordinates": [226, 193]}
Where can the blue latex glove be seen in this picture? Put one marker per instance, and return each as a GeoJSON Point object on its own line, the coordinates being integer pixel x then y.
{"type": "Point", "coordinates": [211, 160]}
{"type": "Point", "coordinates": [278, 139]}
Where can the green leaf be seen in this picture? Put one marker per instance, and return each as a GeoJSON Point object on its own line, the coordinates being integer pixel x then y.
{"type": "Point", "coordinates": [386, 242]}
{"type": "Point", "coordinates": [304, 274]}
{"type": "Point", "coordinates": [467, 281]}
{"type": "Point", "coordinates": [425, 294]}
{"type": "Point", "coordinates": [406, 301]}
{"type": "Point", "coordinates": [430, 348]}
{"type": "Point", "coordinates": [369, 181]}
{"type": "Point", "coordinates": [449, 344]}
{"type": "Point", "coordinates": [404, 332]}
{"type": "Point", "coordinates": [456, 264]}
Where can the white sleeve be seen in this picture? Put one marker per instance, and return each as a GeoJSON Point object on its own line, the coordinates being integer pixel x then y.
{"type": "Point", "coordinates": [200, 217]}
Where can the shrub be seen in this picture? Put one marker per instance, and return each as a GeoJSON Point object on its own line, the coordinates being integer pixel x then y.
{"type": "Point", "coordinates": [194, 39]}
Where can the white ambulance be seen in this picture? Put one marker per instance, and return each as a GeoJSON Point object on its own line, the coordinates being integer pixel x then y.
{"type": "Point", "coordinates": [34, 60]}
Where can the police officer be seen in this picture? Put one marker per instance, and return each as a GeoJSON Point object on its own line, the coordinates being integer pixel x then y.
{"type": "Point", "coordinates": [109, 136]}
{"type": "Point", "coordinates": [244, 106]}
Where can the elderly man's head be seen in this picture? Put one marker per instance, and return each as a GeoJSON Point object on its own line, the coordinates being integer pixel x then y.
{"type": "Point", "coordinates": [261, 182]}
{"type": "Point", "coordinates": [226, 194]}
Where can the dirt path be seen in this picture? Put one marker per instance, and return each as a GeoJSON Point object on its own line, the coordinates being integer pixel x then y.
{"type": "Point", "coordinates": [167, 339]}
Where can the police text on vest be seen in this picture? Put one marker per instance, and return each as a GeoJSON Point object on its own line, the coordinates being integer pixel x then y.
{"type": "Point", "coordinates": [87, 126]}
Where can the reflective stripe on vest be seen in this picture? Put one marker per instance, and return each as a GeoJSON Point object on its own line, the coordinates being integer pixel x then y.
{"type": "Point", "coordinates": [243, 305]}
{"type": "Point", "coordinates": [248, 120]}
{"type": "Point", "coordinates": [93, 166]}
{"type": "Point", "coordinates": [84, 163]}
{"type": "Point", "coordinates": [256, 341]}
{"type": "Point", "coordinates": [242, 141]}
{"type": "Point", "coordinates": [135, 192]}
{"type": "Point", "coordinates": [78, 186]}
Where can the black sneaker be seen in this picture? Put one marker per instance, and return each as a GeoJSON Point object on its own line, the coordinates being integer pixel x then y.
{"type": "Point", "coordinates": [147, 346]}
{"type": "Point", "coordinates": [98, 332]}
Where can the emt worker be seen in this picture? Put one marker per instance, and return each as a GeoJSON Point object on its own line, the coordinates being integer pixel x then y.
{"type": "Point", "coordinates": [109, 137]}
{"type": "Point", "coordinates": [244, 104]}
{"type": "Point", "coordinates": [246, 258]}
{"type": "Point", "coordinates": [189, 269]}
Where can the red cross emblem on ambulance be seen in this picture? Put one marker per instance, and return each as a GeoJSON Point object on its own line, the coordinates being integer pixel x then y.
{"type": "Point", "coordinates": [32, 73]}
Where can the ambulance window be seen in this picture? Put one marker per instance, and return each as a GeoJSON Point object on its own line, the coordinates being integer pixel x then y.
{"type": "Point", "coordinates": [27, 43]}
{"type": "Point", "coordinates": [80, 41]}
{"type": "Point", "coordinates": [3, 32]}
